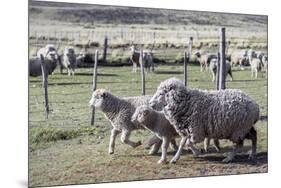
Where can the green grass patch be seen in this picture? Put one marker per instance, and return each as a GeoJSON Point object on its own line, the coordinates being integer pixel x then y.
{"type": "Point", "coordinates": [50, 134]}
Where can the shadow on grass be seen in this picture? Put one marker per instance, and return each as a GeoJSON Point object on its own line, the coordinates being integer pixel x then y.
{"type": "Point", "coordinates": [91, 74]}
{"type": "Point", "coordinates": [242, 158]}
{"type": "Point", "coordinates": [264, 118]}
{"type": "Point", "coordinates": [168, 72]}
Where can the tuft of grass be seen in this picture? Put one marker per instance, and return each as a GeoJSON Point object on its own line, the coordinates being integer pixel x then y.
{"type": "Point", "coordinates": [51, 134]}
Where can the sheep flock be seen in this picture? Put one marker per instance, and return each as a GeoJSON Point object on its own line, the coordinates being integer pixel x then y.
{"type": "Point", "coordinates": [176, 111]}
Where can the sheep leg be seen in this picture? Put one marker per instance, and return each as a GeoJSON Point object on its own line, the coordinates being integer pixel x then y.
{"type": "Point", "coordinates": [193, 149]}
{"type": "Point", "coordinates": [165, 145]}
{"type": "Point", "coordinates": [152, 140]}
{"type": "Point", "coordinates": [155, 148]}
{"type": "Point", "coordinates": [206, 144]}
{"type": "Point", "coordinates": [230, 74]}
{"type": "Point", "coordinates": [114, 133]}
{"type": "Point", "coordinates": [217, 145]}
{"type": "Point", "coordinates": [237, 147]}
{"type": "Point", "coordinates": [125, 139]}
{"type": "Point", "coordinates": [253, 136]}
{"type": "Point", "coordinates": [177, 156]}
{"type": "Point", "coordinates": [174, 145]}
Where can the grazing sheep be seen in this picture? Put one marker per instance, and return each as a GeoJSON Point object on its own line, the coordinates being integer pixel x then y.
{"type": "Point", "coordinates": [119, 112]}
{"type": "Point", "coordinates": [147, 59]}
{"type": "Point", "coordinates": [35, 66]}
{"type": "Point", "coordinates": [213, 69]}
{"type": "Point", "coordinates": [255, 62]}
{"type": "Point", "coordinates": [239, 59]}
{"type": "Point", "coordinates": [49, 51]}
{"type": "Point", "coordinates": [159, 125]}
{"type": "Point", "coordinates": [205, 61]}
{"type": "Point", "coordinates": [68, 61]}
{"type": "Point", "coordinates": [196, 115]}
{"type": "Point", "coordinates": [265, 64]}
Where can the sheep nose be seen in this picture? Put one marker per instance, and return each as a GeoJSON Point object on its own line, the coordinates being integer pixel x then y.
{"type": "Point", "coordinates": [152, 104]}
{"type": "Point", "coordinates": [133, 119]}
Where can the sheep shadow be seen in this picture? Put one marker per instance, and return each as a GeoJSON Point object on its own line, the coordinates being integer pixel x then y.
{"type": "Point", "coordinates": [167, 72]}
{"type": "Point", "coordinates": [264, 118]}
{"type": "Point", "coordinates": [68, 83]}
{"type": "Point", "coordinates": [91, 74]}
{"type": "Point", "coordinates": [241, 158]}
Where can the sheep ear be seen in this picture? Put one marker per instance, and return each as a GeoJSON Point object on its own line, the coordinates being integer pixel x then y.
{"type": "Point", "coordinates": [104, 95]}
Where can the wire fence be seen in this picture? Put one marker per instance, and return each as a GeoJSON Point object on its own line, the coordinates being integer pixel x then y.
{"type": "Point", "coordinates": [69, 96]}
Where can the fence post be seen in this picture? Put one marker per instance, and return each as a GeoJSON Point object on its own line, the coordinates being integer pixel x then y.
{"type": "Point", "coordinates": [105, 49]}
{"type": "Point", "coordinates": [142, 73]}
{"type": "Point", "coordinates": [45, 84]}
{"type": "Point", "coordinates": [190, 47]}
{"type": "Point", "coordinates": [94, 83]}
{"type": "Point", "coordinates": [36, 37]}
{"type": "Point", "coordinates": [185, 59]}
{"type": "Point", "coordinates": [218, 72]}
{"type": "Point", "coordinates": [222, 59]}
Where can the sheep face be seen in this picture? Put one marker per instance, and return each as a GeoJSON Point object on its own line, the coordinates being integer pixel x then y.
{"type": "Point", "coordinates": [140, 114]}
{"type": "Point", "coordinates": [98, 97]}
{"type": "Point", "coordinates": [52, 55]}
{"type": "Point", "coordinates": [158, 100]}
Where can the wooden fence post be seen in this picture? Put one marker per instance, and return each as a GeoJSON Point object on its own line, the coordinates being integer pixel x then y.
{"type": "Point", "coordinates": [105, 49]}
{"type": "Point", "coordinates": [36, 37]}
{"type": "Point", "coordinates": [94, 84]}
{"type": "Point", "coordinates": [218, 72]}
{"type": "Point", "coordinates": [190, 47]}
{"type": "Point", "coordinates": [222, 59]}
{"type": "Point", "coordinates": [185, 59]}
{"type": "Point", "coordinates": [142, 73]}
{"type": "Point", "coordinates": [45, 84]}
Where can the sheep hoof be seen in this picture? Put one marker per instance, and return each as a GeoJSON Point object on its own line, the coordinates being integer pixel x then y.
{"type": "Point", "coordinates": [217, 149]}
{"type": "Point", "coordinates": [227, 160]}
{"type": "Point", "coordinates": [152, 152]}
{"type": "Point", "coordinates": [173, 161]}
{"type": "Point", "coordinates": [110, 152]}
{"type": "Point", "coordinates": [137, 144]}
{"type": "Point", "coordinates": [252, 157]}
{"type": "Point", "coordinates": [162, 161]}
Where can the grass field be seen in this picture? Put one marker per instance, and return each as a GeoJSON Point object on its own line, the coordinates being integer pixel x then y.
{"type": "Point", "coordinates": [65, 149]}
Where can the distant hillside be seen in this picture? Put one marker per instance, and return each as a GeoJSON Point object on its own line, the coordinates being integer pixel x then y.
{"type": "Point", "coordinates": [81, 13]}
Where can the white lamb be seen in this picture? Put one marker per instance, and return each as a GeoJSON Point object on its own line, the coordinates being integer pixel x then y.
{"type": "Point", "coordinates": [119, 112]}
{"type": "Point", "coordinates": [157, 123]}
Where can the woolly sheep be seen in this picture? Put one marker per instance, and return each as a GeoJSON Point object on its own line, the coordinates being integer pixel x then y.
{"type": "Point", "coordinates": [35, 66]}
{"type": "Point", "coordinates": [196, 114]}
{"type": "Point", "coordinates": [68, 61]}
{"type": "Point", "coordinates": [265, 64]}
{"type": "Point", "coordinates": [147, 59]}
{"type": "Point", "coordinates": [159, 125]}
{"type": "Point", "coordinates": [255, 62]}
{"type": "Point", "coordinates": [240, 59]}
{"type": "Point", "coordinates": [213, 69]}
{"type": "Point", "coordinates": [119, 112]}
{"type": "Point", "coordinates": [48, 52]}
{"type": "Point", "coordinates": [205, 60]}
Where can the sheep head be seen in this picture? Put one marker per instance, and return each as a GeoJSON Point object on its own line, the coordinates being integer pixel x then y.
{"type": "Point", "coordinates": [98, 97]}
{"type": "Point", "coordinates": [140, 115]}
{"type": "Point", "coordinates": [159, 100]}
